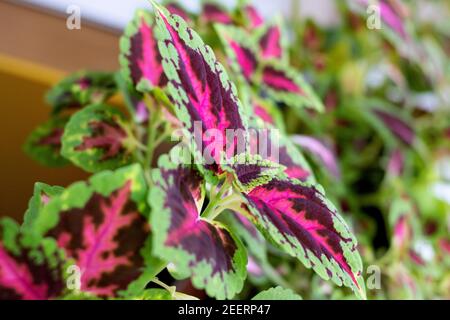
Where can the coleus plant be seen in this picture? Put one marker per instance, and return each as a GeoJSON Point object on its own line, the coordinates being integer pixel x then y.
{"type": "Point", "coordinates": [203, 210]}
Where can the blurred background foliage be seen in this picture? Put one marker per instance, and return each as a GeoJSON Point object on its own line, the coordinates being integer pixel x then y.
{"type": "Point", "coordinates": [381, 149]}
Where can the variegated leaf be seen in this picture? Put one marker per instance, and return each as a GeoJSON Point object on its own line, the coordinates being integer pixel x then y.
{"type": "Point", "coordinates": [401, 221]}
{"type": "Point", "coordinates": [175, 7]}
{"type": "Point", "coordinates": [81, 89]}
{"type": "Point", "coordinates": [262, 112]}
{"type": "Point", "coordinates": [44, 143]}
{"type": "Point", "coordinates": [251, 237]}
{"type": "Point", "coordinates": [398, 126]}
{"type": "Point", "coordinates": [205, 250]}
{"type": "Point", "coordinates": [272, 42]}
{"type": "Point", "coordinates": [288, 86]}
{"type": "Point", "coordinates": [204, 98]}
{"type": "Point", "coordinates": [240, 50]}
{"type": "Point", "coordinates": [96, 139]}
{"type": "Point", "coordinates": [42, 194]}
{"type": "Point", "coordinates": [296, 165]}
{"type": "Point", "coordinates": [273, 146]}
{"type": "Point", "coordinates": [139, 55]}
{"type": "Point", "coordinates": [254, 19]}
{"type": "Point", "coordinates": [213, 12]}
{"type": "Point", "coordinates": [29, 269]}
{"type": "Point", "coordinates": [251, 171]}
{"type": "Point", "coordinates": [317, 148]}
{"type": "Point", "coordinates": [303, 223]}
{"type": "Point", "coordinates": [268, 112]}
{"type": "Point", "coordinates": [103, 226]}
{"type": "Point", "coordinates": [391, 12]}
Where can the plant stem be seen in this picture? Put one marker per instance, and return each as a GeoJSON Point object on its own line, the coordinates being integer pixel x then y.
{"type": "Point", "coordinates": [216, 199]}
{"type": "Point", "coordinates": [162, 137]}
{"type": "Point", "coordinates": [230, 202]}
{"type": "Point", "coordinates": [140, 146]}
{"type": "Point", "coordinates": [209, 211]}
{"type": "Point", "coordinates": [138, 156]}
{"type": "Point", "coordinates": [275, 277]}
{"type": "Point", "coordinates": [171, 290]}
{"type": "Point", "coordinates": [221, 205]}
{"type": "Point", "coordinates": [152, 128]}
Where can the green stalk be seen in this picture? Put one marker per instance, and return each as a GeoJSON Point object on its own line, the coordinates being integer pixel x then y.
{"type": "Point", "coordinates": [217, 207]}
{"type": "Point", "coordinates": [275, 277]}
{"type": "Point", "coordinates": [172, 290]}
{"type": "Point", "coordinates": [162, 137]}
{"type": "Point", "coordinates": [152, 129]}
{"type": "Point", "coordinates": [218, 204]}
{"type": "Point", "coordinates": [210, 211]}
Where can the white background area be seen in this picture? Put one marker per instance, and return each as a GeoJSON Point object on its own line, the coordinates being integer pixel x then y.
{"type": "Point", "coordinates": [116, 13]}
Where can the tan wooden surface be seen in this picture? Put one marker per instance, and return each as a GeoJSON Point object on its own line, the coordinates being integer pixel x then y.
{"type": "Point", "coordinates": [22, 109]}
{"type": "Point", "coordinates": [43, 38]}
{"type": "Point", "coordinates": [36, 50]}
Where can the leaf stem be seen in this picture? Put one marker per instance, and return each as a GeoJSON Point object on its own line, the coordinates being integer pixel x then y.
{"type": "Point", "coordinates": [172, 290]}
{"type": "Point", "coordinates": [153, 124]}
{"type": "Point", "coordinates": [215, 208]}
{"type": "Point", "coordinates": [164, 135]}
{"type": "Point", "coordinates": [209, 212]}
{"type": "Point", "coordinates": [229, 202]}
{"type": "Point", "coordinates": [140, 145]}
{"type": "Point", "coordinates": [216, 199]}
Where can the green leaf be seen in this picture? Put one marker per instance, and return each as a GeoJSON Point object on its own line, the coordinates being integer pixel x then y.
{"type": "Point", "coordinates": [154, 294]}
{"type": "Point", "coordinates": [103, 226]}
{"type": "Point", "coordinates": [42, 194]}
{"type": "Point", "coordinates": [251, 171]}
{"type": "Point", "coordinates": [277, 293]}
{"type": "Point", "coordinates": [285, 84]}
{"type": "Point", "coordinates": [31, 268]}
{"type": "Point", "coordinates": [248, 233]}
{"type": "Point", "coordinates": [133, 99]}
{"type": "Point", "coordinates": [81, 89]}
{"type": "Point", "coordinates": [44, 143]}
{"type": "Point", "coordinates": [79, 296]}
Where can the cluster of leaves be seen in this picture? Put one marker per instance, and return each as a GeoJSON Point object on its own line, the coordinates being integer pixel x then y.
{"type": "Point", "coordinates": [243, 222]}
{"type": "Point", "coordinates": [383, 140]}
